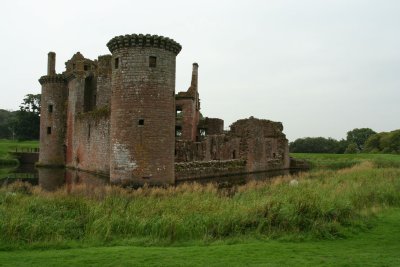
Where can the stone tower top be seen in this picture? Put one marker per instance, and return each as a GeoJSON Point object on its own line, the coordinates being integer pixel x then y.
{"type": "Point", "coordinates": [141, 40]}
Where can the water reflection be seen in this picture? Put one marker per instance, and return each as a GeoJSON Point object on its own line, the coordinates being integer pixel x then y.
{"type": "Point", "coordinates": [51, 179]}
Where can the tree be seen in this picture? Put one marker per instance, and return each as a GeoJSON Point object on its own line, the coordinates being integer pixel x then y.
{"type": "Point", "coordinates": [359, 137]}
{"type": "Point", "coordinates": [6, 120]}
{"type": "Point", "coordinates": [351, 149]}
{"type": "Point", "coordinates": [317, 145]}
{"type": "Point", "coordinates": [384, 142]}
{"type": "Point", "coordinates": [27, 119]}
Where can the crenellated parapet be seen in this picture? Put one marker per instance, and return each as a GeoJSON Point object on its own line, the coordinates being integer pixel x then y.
{"type": "Point", "coordinates": [57, 78]}
{"type": "Point", "coordinates": [141, 40]}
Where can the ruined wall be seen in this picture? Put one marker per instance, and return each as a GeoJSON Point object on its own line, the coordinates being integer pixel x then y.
{"type": "Point", "coordinates": [213, 126]}
{"type": "Point", "coordinates": [143, 109]}
{"type": "Point", "coordinates": [207, 169]}
{"type": "Point", "coordinates": [88, 126]}
{"type": "Point", "coordinates": [186, 118]}
{"type": "Point", "coordinates": [92, 142]}
{"type": "Point", "coordinates": [188, 110]}
{"type": "Point", "coordinates": [186, 151]}
{"type": "Point", "coordinates": [104, 81]}
{"type": "Point", "coordinates": [75, 106]}
{"type": "Point", "coordinates": [262, 143]}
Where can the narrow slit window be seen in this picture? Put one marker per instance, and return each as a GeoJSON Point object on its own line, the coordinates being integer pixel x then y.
{"type": "Point", "coordinates": [178, 131]}
{"type": "Point", "coordinates": [50, 108]}
{"type": "Point", "coordinates": [178, 112]}
{"type": "Point", "coordinates": [152, 62]}
{"type": "Point", "coordinates": [88, 131]}
{"type": "Point", "coordinates": [48, 130]}
{"type": "Point", "coordinates": [116, 63]}
{"type": "Point", "coordinates": [141, 122]}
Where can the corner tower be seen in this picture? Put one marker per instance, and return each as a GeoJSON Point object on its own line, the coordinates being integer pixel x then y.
{"type": "Point", "coordinates": [142, 118]}
{"type": "Point", "coordinates": [52, 116]}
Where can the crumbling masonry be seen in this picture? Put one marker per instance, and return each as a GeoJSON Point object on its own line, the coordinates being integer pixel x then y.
{"type": "Point", "coordinates": [119, 115]}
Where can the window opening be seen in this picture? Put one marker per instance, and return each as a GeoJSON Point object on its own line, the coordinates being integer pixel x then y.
{"type": "Point", "coordinates": [116, 63]}
{"type": "Point", "coordinates": [203, 132]}
{"type": "Point", "coordinates": [50, 108]}
{"type": "Point", "coordinates": [152, 62]}
{"type": "Point", "coordinates": [141, 122]}
{"type": "Point", "coordinates": [48, 130]}
{"type": "Point", "coordinates": [178, 112]}
{"type": "Point", "coordinates": [178, 131]}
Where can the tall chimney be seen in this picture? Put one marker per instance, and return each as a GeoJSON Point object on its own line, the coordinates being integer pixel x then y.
{"type": "Point", "coordinates": [51, 63]}
{"type": "Point", "coordinates": [194, 76]}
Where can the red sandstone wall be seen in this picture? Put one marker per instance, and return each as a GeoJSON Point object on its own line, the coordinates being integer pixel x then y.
{"type": "Point", "coordinates": [143, 153]}
{"type": "Point", "coordinates": [92, 143]}
{"type": "Point", "coordinates": [260, 143]}
{"type": "Point", "coordinates": [188, 118]}
{"type": "Point", "coordinates": [54, 92]}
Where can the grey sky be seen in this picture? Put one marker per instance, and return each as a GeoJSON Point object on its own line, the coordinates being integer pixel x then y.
{"type": "Point", "coordinates": [322, 67]}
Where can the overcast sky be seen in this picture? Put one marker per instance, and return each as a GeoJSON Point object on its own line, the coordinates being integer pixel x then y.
{"type": "Point", "coordinates": [321, 67]}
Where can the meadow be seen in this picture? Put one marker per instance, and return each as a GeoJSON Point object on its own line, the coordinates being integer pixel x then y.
{"type": "Point", "coordinates": [345, 211]}
{"type": "Point", "coordinates": [7, 146]}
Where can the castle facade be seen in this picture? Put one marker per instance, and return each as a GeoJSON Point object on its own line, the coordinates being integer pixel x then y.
{"type": "Point", "coordinates": [119, 115]}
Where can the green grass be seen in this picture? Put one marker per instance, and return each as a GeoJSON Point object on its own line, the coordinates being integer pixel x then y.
{"type": "Point", "coordinates": [377, 247]}
{"type": "Point", "coordinates": [340, 161]}
{"type": "Point", "coordinates": [9, 146]}
{"type": "Point", "coordinates": [324, 205]}
{"type": "Point", "coordinates": [333, 216]}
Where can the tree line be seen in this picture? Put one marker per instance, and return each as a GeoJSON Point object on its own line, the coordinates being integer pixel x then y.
{"type": "Point", "coordinates": [359, 140]}
{"type": "Point", "coordinates": [23, 124]}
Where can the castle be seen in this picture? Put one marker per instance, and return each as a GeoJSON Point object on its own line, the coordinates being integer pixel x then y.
{"type": "Point", "coordinates": [119, 116]}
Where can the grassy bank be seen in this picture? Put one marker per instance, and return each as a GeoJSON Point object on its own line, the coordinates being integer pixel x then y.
{"type": "Point", "coordinates": [377, 247]}
{"type": "Point", "coordinates": [10, 145]}
{"type": "Point", "coordinates": [325, 204]}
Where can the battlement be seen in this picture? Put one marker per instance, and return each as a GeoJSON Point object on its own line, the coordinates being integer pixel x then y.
{"type": "Point", "coordinates": [141, 40]}
{"type": "Point", "coordinates": [57, 78]}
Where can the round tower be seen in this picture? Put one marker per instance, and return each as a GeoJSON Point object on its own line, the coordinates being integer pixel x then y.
{"type": "Point", "coordinates": [52, 116]}
{"type": "Point", "coordinates": [143, 109]}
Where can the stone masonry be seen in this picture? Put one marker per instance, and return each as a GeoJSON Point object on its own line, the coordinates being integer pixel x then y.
{"type": "Point", "coordinates": [119, 116]}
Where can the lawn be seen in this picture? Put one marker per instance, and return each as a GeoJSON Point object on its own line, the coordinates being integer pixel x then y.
{"type": "Point", "coordinates": [379, 246]}
{"type": "Point", "coordinates": [10, 146]}
{"type": "Point", "coordinates": [340, 161]}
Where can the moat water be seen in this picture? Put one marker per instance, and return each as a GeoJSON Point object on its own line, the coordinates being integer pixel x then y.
{"type": "Point", "coordinates": [53, 179]}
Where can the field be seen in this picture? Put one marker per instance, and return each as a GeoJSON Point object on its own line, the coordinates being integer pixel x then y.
{"type": "Point", "coordinates": [376, 247]}
{"type": "Point", "coordinates": [346, 212]}
{"type": "Point", "coordinates": [9, 145]}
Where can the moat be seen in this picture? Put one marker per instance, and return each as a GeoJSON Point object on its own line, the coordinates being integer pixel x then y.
{"type": "Point", "coordinates": [51, 179]}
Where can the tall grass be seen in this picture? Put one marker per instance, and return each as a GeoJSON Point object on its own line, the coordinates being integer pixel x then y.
{"type": "Point", "coordinates": [324, 204]}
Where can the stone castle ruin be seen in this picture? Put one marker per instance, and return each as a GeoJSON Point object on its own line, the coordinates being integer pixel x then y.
{"type": "Point", "coordinates": [120, 116]}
